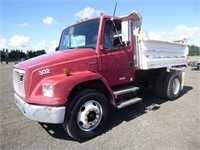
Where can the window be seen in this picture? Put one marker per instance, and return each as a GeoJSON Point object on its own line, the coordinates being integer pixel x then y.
{"type": "Point", "coordinates": [70, 41]}
{"type": "Point", "coordinates": [108, 35]}
{"type": "Point", "coordinates": [112, 34]}
{"type": "Point", "coordinates": [83, 35]}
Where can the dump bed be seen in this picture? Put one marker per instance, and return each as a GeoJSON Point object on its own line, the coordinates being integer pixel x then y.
{"type": "Point", "coordinates": [152, 54]}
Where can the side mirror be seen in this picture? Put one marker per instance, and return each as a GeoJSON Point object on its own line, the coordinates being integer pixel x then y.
{"type": "Point", "coordinates": [125, 31]}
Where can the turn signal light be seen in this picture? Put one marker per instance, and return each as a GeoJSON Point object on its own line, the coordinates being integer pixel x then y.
{"type": "Point", "coordinates": [66, 72]}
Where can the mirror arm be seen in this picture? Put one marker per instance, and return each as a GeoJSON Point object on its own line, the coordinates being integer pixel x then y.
{"type": "Point", "coordinates": [57, 48]}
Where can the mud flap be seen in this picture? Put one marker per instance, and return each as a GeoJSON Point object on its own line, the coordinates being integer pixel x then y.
{"type": "Point", "coordinates": [182, 79]}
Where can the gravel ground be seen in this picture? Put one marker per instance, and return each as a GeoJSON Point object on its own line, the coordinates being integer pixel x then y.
{"type": "Point", "coordinates": [151, 124]}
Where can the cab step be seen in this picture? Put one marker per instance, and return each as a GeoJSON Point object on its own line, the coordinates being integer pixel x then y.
{"type": "Point", "coordinates": [126, 96]}
{"type": "Point", "coordinates": [128, 102]}
{"type": "Point", "coordinates": [127, 90]}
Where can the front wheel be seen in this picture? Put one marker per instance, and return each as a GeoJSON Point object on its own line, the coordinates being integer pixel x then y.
{"type": "Point", "coordinates": [87, 114]}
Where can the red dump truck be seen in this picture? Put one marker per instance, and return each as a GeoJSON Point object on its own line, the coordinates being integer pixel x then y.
{"type": "Point", "coordinates": [99, 62]}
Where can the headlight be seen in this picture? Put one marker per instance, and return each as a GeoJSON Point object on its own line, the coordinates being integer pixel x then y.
{"type": "Point", "coordinates": [47, 90]}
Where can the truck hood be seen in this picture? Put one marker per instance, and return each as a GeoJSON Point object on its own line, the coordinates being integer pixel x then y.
{"type": "Point", "coordinates": [42, 68]}
{"type": "Point", "coordinates": [55, 58]}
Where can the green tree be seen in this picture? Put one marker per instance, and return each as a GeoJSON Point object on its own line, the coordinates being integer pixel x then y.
{"type": "Point", "coordinates": [2, 54]}
{"type": "Point", "coordinates": [194, 50]}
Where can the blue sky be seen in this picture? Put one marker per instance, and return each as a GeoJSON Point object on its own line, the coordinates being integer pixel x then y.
{"type": "Point", "coordinates": [37, 24]}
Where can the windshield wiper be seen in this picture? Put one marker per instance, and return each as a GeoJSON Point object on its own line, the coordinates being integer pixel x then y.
{"type": "Point", "coordinates": [72, 47]}
{"type": "Point", "coordinates": [86, 47]}
{"type": "Point", "coordinates": [81, 47]}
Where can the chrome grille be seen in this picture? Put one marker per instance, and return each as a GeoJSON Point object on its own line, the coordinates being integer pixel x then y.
{"type": "Point", "coordinates": [19, 82]}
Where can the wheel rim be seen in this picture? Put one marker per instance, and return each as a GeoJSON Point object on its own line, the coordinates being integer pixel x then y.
{"type": "Point", "coordinates": [89, 115]}
{"type": "Point", "coordinates": [176, 86]}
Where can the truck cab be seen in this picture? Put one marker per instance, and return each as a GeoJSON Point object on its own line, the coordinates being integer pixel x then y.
{"type": "Point", "coordinates": [103, 36]}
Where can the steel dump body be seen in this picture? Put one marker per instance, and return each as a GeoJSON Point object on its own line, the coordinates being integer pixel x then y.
{"type": "Point", "coordinates": [153, 54]}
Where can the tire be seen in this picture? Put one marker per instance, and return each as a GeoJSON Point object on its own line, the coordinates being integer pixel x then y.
{"type": "Point", "coordinates": [172, 85]}
{"type": "Point", "coordinates": [198, 67]}
{"type": "Point", "coordinates": [86, 115]}
{"type": "Point", "coordinates": [159, 85]}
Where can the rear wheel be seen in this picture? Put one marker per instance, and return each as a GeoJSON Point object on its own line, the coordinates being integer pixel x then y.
{"type": "Point", "coordinates": [172, 85]}
{"type": "Point", "coordinates": [87, 115]}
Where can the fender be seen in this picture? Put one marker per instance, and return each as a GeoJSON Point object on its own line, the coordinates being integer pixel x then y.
{"type": "Point", "coordinates": [63, 85]}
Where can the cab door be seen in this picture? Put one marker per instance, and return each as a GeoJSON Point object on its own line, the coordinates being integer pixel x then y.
{"type": "Point", "coordinates": [116, 56]}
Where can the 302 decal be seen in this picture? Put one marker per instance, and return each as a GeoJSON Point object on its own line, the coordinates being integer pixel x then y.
{"type": "Point", "coordinates": [44, 71]}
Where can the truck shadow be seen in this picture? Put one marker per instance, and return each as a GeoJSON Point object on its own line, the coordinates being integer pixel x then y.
{"type": "Point", "coordinates": [56, 131]}
{"type": "Point", "coordinates": [117, 116]}
{"type": "Point", "coordinates": [149, 103]}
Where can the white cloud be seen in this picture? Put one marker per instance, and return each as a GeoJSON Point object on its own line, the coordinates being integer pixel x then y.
{"type": "Point", "coordinates": [3, 43]}
{"type": "Point", "coordinates": [23, 43]}
{"type": "Point", "coordinates": [87, 12]}
{"type": "Point", "coordinates": [15, 42]}
{"type": "Point", "coordinates": [154, 35]}
{"type": "Point", "coordinates": [54, 44]}
{"type": "Point", "coordinates": [47, 46]}
{"type": "Point", "coordinates": [180, 32]}
{"type": "Point", "coordinates": [42, 45]}
{"type": "Point", "coordinates": [197, 43]}
{"type": "Point", "coordinates": [19, 42]}
{"type": "Point", "coordinates": [186, 32]}
{"type": "Point", "coordinates": [49, 21]}
{"type": "Point", "coordinates": [23, 24]}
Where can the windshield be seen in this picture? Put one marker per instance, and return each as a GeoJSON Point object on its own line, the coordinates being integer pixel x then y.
{"type": "Point", "coordinates": [83, 35]}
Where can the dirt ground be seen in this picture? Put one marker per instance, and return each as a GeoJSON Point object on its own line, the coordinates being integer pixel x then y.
{"type": "Point", "coordinates": [151, 124]}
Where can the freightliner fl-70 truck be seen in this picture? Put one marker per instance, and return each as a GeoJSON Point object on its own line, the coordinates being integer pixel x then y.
{"type": "Point", "coordinates": [99, 62]}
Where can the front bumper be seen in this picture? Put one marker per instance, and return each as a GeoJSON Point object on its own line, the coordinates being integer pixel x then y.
{"type": "Point", "coordinates": [45, 114]}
